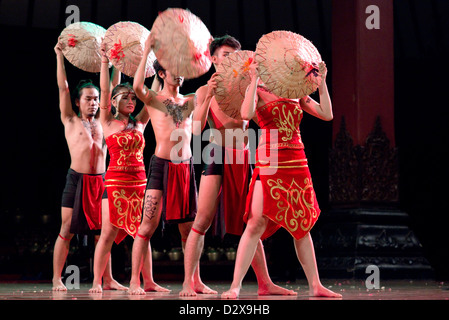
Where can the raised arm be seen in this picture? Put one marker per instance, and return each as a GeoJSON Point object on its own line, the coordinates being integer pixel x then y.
{"type": "Point", "coordinates": [115, 78]}
{"type": "Point", "coordinates": [142, 92]}
{"type": "Point", "coordinates": [105, 88]}
{"type": "Point", "coordinates": [322, 110]}
{"type": "Point", "coordinates": [65, 104]}
{"type": "Point", "coordinates": [248, 109]}
{"type": "Point", "coordinates": [156, 86]}
{"type": "Point", "coordinates": [144, 115]}
{"type": "Point", "coordinates": [203, 97]}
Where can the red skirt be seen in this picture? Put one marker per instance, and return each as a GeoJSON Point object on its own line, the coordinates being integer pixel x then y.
{"type": "Point", "coordinates": [235, 188]}
{"type": "Point", "coordinates": [126, 191]}
{"type": "Point", "coordinates": [289, 200]}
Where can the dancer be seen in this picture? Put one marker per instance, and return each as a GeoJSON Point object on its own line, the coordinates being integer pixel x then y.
{"type": "Point", "coordinates": [84, 181]}
{"type": "Point", "coordinates": [171, 188]}
{"type": "Point", "coordinates": [289, 188]}
{"type": "Point", "coordinates": [125, 178]}
{"type": "Point", "coordinates": [225, 176]}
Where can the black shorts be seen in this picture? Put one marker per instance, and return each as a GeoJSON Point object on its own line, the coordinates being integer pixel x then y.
{"type": "Point", "coordinates": [71, 184]}
{"type": "Point", "coordinates": [157, 178]}
{"type": "Point", "coordinates": [156, 172]}
{"type": "Point", "coordinates": [72, 198]}
{"type": "Point", "coordinates": [211, 167]}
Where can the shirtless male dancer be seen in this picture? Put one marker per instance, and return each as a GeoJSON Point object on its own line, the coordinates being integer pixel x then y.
{"type": "Point", "coordinates": [171, 118]}
{"type": "Point", "coordinates": [84, 136]}
{"type": "Point", "coordinates": [213, 180]}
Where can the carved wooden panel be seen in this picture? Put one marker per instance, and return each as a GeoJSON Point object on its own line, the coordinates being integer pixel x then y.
{"type": "Point", "coordinates": [363, 174]}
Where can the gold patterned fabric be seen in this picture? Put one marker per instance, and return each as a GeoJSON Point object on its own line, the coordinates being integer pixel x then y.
{"type": "Point", "coordinates": [279, 121]}
{"type": "Point", "coordinates": [289, 200]}
{"type": "Point", "coordinates": [125, 181]}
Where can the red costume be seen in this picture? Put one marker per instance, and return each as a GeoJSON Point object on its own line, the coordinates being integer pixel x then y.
{"type": "Point", "coordinates": [235, 183]}
{"type": "Point", "coordinates": [83, 193]}
{"type": "Point", "coordinates": [125, 181]}
{"type": "Point", "coordinates": [289, 199]}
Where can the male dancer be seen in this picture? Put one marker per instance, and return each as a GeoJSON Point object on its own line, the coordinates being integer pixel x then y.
{"type": "Point", "coordinates": [232, 179]}
{"type": "Point", "coordinates": [171, 187]}
{"type": "Point", "coordinates": [84, 136]}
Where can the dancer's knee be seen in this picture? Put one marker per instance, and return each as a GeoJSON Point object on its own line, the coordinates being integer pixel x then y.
{"type": "Point", "coordinates": [147, 228]}
{"type": "Point", "coordinates": [257, 225]}
{"type": "Point", "coordinates": [108, 234]}
{"type": "Point", "coordinates": [200, 226]}
{"type": "Point", "coordinates": [64, 232]}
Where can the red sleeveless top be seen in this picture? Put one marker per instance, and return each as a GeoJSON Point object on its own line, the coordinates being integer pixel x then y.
{"type": "Point", "coordinates": [125, 181]}
{"type": "Point", "coordinates": [126, 151]}
{"type": "Point", "coordinates": [279, 121]}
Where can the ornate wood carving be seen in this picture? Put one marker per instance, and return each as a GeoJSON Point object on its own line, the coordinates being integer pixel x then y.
{"type": "Point", "coordinates": [363, 174]}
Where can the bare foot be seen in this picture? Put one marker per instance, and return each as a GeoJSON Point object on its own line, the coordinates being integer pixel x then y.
{"type": "Point", "coordinates": [202, 288]}
{"type": "Point", "coordinates": [231, 294]}
{"type": "Point", "coordinates": [135, 289]}
{"type": "Point", "coordinates": [113, 285]}
{"type": "Point", "coordinates": [273, 289]}
{"type": "Point", "coordinates": [187, 291]}
{"type": "Point", "coordinates": [153, 286]}
{"type": "Point", "coordinates": [96, 288]}
{"type": "Point", "coordinates": [321, 291]}
{"type": "Point", "coordinates": [58, 285]}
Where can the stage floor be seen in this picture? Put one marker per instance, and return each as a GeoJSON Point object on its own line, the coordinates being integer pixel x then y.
{"type": "Point", "coordinates": [350, 289]}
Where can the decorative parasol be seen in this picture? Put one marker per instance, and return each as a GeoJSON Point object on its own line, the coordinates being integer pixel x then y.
{"type": "Point", "coordinates": [232, 80]}
{"type": "Point", "coordinates": [181, 43]}
{"type": "Point", "coordinates": [288, 64]}
{"type": "Point", "coordinates": [81, 45]}
{"type": "Point", "coordinates": [125, 43]}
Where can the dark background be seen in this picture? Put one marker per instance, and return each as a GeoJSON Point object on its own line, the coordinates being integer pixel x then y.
{"type": "Point", "coordinates": [34, 155]}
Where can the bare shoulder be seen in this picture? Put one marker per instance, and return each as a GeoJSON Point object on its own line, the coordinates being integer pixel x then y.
{"type": "Point", "coordinates": [189, 96]}
{"type": "Point", "coordinates": [157, 102]}
{"type": "Point", "coordinates": [73, 126]}
{"type": "Point", "coordinates": [201, 90]}
{"type": "Point", "coordinates": [191, 99]}
{"type": "Point", "coordinates": [70, 120]}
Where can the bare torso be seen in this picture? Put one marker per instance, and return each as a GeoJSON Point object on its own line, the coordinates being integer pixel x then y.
{"type": "Point", "coordinates": [233, 133]}
{"type": "Point", "coordinates": [86, 146]}
{"type": "Point", "coordinates": [171, 119]}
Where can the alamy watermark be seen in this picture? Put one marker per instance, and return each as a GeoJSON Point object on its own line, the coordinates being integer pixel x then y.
{"type": "Point", "coordinates": [74, 14]}
{"type": "Point", "coordinates": [213, 152]}
{"type": "Point", "coordinates": [73, 279]}
{"type": "Point", "coordinates": [373, 280]}
{"type": "Point", "coordinates": [373, 20]}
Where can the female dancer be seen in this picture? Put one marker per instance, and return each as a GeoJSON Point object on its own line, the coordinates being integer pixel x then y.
{"type": "Point", "coordinates": [283, 197]}
{"type": "Point", "coordinates": [125, 179]}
